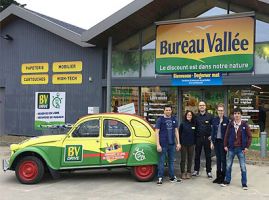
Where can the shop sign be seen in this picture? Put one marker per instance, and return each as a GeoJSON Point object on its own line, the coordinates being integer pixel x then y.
{"type": "Point", "coordinates": [74, 66]}
{"type": "Point", "coordinates": [34, 68]}
{"type": "Point", "coordinates": [49, 109]}
{"type": "Point", "coordinates": [195, 79]}
{"type": "Point", "coordinates": [211, 45]}
{"type": "Point", "coordinates": [128, 108]}
{"type": "Point", "coordinates": [66, 78]}
{"type": "Point", "coordinates": [34, 79]}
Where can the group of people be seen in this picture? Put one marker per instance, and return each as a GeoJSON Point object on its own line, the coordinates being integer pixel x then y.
{"type": "Point", "coordinates": [229, 138]}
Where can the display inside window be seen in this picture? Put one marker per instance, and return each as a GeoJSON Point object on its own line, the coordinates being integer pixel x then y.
{"type": "Point", "coordinates": [125, 97]}
{"type": "Point", "coordinates": [254, 102]}
{"type": "Point", "coordinates": [154, 99]}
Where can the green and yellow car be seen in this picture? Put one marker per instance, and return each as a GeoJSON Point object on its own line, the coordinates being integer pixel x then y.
{"type": "Point", "coordinates": [95, 141]}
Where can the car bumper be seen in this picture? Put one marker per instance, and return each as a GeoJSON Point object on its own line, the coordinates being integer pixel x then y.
{"type": "Point", "coordinates": [5, 164]}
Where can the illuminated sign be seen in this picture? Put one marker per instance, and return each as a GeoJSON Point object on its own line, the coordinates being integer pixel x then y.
{"type": "Point", "coordinates": [223, 45]}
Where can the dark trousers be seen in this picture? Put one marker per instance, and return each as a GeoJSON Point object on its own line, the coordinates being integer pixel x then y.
{"type": "Point", "coordinates": [186, 152]}
{"type": "Point", "coordinates": [220, 155]}
{"type": "Point", "coordinates": [200, 143]}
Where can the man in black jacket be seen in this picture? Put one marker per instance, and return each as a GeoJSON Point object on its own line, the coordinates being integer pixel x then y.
{"type": "Point", "coordinates": [204, 122]}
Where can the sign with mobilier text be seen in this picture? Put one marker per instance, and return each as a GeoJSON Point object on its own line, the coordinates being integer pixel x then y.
{"type": "Point", "coordinates": [206, 45]}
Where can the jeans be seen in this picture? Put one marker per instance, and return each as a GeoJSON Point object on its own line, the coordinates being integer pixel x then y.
{"type": "Point", "coordinates": [242, 161]}
{"type": "Point", "coordinates": [186, 151]}
{"type": "Point", "coordinates": [170, 151]}
{"type": "Point", "coordinates": [220, 155]}
{"type": "Point", "coordinates": [201, 142]}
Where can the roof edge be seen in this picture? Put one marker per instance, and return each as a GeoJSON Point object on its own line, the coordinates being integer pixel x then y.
{"type": "Point", "coordinates": [44, 23]}
{"type": "Point", "coordinates": [114, 19]}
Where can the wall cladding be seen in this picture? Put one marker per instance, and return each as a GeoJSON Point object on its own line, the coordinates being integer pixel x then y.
{"type": "Point", "coordinates": [32, 44]}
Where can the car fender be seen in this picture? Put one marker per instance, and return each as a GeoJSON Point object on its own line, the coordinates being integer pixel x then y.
{"type": "Point", "coordinates": [143, 154]}
{"type": "Point", "coordinates": [54, 164]}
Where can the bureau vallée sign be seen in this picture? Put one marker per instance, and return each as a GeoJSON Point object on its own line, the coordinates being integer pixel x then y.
{"type": "Point", "coordinates": [210, 45]}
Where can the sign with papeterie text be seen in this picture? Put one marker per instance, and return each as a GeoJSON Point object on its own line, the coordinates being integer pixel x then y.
{"type": "Point", "coordinates": [34, 68]}
{"type": "Point", "coordinates": [220, 45]}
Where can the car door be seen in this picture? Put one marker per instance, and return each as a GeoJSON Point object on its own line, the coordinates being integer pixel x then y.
{"type": "Point", "coordinates": [82, 147]}
{"type": "Point", "coordinates": [116, 142]}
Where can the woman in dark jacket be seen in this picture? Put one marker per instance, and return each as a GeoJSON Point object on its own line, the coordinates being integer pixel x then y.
{"type": "Point", "coordinates": [187, 131]}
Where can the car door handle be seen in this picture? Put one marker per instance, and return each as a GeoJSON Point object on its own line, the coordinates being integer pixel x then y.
{"type": "Point", "coordinates": [97, 141]}
{"type": "Point", "coordinates": [129, 141]}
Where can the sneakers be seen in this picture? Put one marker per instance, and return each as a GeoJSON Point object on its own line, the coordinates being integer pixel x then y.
{"type": "Point", "coordinates": [175, 180]}
{"type": "Point", "coordinates": [160, 181]}
{"type": "Point", "coordinates": [245, 187]}
{"type": "Point", "coordinates": [224, 184]}
{"type": "Point", "coordinates": [195, 173]}
{"type": "Point", "coordinates": [209, 175]}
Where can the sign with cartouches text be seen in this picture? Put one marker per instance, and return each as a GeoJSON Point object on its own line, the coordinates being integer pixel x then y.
{"type": "Point", "coordinates": [206, 45]}
{"type": "Point", "coordinates": [49, 109]}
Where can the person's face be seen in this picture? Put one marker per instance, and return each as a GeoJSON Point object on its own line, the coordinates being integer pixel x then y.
{"type": "Point", "coordinates": [189, 116]}
{"type": "Point", "coordinates": [202, 106]}
{"type": "Point", "coordinates": [237, 116]}
{"type": "Point", "coordinates": [220, 111]}
{"type": "Point", "coordinates": [168, 111]}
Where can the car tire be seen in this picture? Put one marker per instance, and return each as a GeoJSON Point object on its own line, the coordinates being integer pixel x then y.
{"type": "Point", "coordinates": [144, 173]}
{"type": "Point", "coordinates": [29, 170]}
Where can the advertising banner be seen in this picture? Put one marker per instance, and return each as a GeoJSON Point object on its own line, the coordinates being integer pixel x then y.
{"type": "Point", "coordinates": [49, 109]}
{"type": "Point", "coordinates": [195, 79]}
{"type": "Point", "coordinates": [220, 45]}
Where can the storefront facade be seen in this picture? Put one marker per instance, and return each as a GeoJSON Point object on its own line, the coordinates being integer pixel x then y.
{"type": "Point", "coordinates": [134, 80]}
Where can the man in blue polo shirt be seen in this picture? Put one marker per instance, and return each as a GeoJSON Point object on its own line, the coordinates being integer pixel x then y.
{"type": "Point", "coordinates": [167, 139]}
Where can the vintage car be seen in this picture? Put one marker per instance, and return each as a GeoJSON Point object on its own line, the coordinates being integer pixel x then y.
{"type": "Point", "coordinates": [95, 141]}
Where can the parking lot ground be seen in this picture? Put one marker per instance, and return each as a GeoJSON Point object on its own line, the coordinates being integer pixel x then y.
{"type": "Point", "coordinates": [119, 184]}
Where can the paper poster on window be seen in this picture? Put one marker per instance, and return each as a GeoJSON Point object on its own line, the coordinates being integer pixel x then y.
{"type": "Point", "coordinates": [49, 109]}
{"type": "Point", "coordinates": [128, 108]}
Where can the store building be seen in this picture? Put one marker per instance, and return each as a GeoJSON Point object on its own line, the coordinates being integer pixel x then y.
{"type": "Point", "coordinates": [131, 34]}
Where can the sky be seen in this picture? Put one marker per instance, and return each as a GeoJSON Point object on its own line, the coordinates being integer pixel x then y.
{"type": "Point", "coordinates": [84, 13]}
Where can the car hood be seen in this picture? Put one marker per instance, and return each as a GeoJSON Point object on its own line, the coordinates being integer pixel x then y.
{"type": "Point", "coordinates": [37, 140]}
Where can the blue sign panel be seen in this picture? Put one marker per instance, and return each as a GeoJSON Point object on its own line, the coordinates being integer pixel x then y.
{"type": "Point", "coordinates": [197, 79]}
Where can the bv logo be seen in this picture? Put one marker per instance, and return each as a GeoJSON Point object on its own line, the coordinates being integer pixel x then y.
{"type": "Point", "coordinates": [73, 153]}
{"type": "Point", "coordinates": [43, 101]}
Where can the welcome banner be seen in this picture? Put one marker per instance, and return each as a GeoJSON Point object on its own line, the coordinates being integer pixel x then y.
{"type": "Point", "coordinates": [220, 45]}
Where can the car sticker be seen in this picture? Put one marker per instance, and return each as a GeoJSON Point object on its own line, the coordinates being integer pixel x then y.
{"type": "Point", "coordinates": [73, 153]}
{"type": "Point", "coordinates": [139, 154]}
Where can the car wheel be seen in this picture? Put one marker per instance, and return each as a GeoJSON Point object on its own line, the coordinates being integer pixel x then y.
{"type": "Point", "coordinates": [29, 170]}
{"type": "Point", "coordinates": [144, 172]}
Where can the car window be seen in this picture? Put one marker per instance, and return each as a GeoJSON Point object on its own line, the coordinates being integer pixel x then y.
{"type": "Point", "coordinates": [115, 128]}
{"type": "Point", "coordinates": [140, 129]}
{"type": "Point", "coordinates": [89, 128]}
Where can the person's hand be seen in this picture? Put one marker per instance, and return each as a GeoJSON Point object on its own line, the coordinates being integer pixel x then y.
{"type": "Point", "coordinates": [159, 148]}
{"type": "Point", "coordinates": [226, 148]}
{"type": "Point", "coordinates": [245, 150]}
{"type": "Point", "coordinates": [178, 147]}
{"type": "Point", "coordinates": [212, 145]}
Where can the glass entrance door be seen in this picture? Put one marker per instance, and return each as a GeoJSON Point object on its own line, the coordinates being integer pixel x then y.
{"type": "Point", "coordinates": [212, 97]}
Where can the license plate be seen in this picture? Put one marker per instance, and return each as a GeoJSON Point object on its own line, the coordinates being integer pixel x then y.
{"type": "Point", "coordinates": [5, 164]}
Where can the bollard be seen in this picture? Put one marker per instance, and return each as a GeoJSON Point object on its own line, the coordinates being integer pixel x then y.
{"type": "Point", "coordinates": [263, 143]}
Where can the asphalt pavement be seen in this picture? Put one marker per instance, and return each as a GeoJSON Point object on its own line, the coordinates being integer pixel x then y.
{"type": "Point", "coordinates": [119, 184]}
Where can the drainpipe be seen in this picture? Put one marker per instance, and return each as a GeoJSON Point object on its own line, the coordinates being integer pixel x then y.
{"type": "Point", "coordinates": [109, 75]}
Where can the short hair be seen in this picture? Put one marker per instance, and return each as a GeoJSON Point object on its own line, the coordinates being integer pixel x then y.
{"type": "Point", "coordinates": [167, 106]}
{"type": "Point", "coordinates": [236, 110]}
{"type": "Point", "coordinates": [220, 105]}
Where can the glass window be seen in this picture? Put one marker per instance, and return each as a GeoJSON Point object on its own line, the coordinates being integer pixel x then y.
{"type": "Point", "coordinates": [262, 58]}
{"type": "Point", "coordinates": [148, 63]}
{"type": "Point", "coordinates": [154, 99]}
{"type": "Point", "coordinates": [114, 128]}
{"type": "Point", "coordinates": [140, 129]}
{"type": "Point", "coordinates": [88, 129]}
{"type": "Point", "coordinates": [124, 95]}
